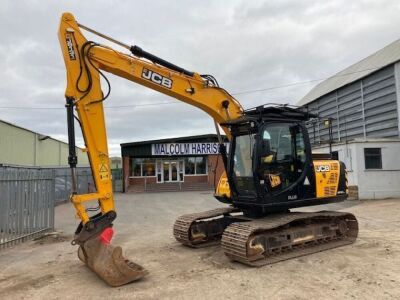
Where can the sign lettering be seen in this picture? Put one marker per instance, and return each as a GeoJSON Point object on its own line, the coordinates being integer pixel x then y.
{"type": "Point", "coordinates": [173, 149]}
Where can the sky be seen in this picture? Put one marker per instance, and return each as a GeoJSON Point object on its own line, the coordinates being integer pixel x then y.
{"type": "Point", "coordinates": [272, 46]}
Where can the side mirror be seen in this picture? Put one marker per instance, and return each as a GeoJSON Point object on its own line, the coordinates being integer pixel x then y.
{"type": "Point", "coordinates": [265, 148]}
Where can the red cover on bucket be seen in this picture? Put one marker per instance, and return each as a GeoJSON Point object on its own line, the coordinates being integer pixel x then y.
{"type": "Point", "coordinates": [107, 235]}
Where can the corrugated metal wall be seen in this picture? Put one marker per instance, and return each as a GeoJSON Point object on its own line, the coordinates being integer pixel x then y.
{"type": "Point", "coordinates": [19, 146]}
{"type": "Point", "coordinates": [365, 108]}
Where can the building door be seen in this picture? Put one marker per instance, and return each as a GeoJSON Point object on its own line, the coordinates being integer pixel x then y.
{"type": "Point", "coordinates": [169, 171]}
{"type": "Point", "coordinates": [160, 171]}
{"type": "Point", "coordinates": [166, 171]}
{"type": "Point", "coordinates": [181, 170]}
{"type": "Point", "coordinates": [173, 169]}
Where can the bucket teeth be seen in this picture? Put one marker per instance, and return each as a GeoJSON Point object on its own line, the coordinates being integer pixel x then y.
{"type": "Point", "coordinates": [109, 264]}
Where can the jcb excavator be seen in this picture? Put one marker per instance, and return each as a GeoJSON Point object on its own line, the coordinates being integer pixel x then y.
{"type": "Point", "coordinates": [269, 167]}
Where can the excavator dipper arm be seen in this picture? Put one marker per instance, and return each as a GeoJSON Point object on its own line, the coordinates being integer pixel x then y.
{"type": "Point", "coordinates": [85, 60]}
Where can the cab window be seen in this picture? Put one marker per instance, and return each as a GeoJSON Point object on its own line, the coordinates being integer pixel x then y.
{"type": "Point", "coordinates": [282, 155]}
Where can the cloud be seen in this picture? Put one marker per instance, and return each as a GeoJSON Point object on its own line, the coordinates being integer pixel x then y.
{"type": "Point", "coordinates": [246, 45]}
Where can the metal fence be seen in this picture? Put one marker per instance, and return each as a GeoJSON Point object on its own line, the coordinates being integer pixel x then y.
{"type": "Point", "coordinates": [63, 182]}
{"type": "Point", "coordinates": [28, 196]}
{"type": "Point", "coordinates": [26, 203]}
{"type": "Point", "coordinates": [85, 182]}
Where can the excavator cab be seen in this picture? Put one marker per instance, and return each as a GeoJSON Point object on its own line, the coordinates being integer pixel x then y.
{"type": "Point", "coordinates": [270, 166]}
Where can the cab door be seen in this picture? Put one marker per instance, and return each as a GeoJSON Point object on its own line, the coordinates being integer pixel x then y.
{"type": "Point", "coordinates": [282, 158]}
{"type": "Point", "coordinates": [242, 165]}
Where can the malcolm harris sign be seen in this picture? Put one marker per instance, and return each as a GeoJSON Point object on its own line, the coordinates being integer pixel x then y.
{"type": "Point", "coordinates": [171, 149]}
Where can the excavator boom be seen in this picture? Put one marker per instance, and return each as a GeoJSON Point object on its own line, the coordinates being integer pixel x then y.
{"type": "Point", "coordinates": [85, 60]}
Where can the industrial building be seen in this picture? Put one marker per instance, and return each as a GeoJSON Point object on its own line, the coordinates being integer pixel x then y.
{"type": "Point", "coordinates": [362, 104]}
{"type": "Point", "coordinates": [23, 147]}
{"type": "Point", "coordinates": [183, 163]}
{"type": "Point", "coordinates": [115, 163]}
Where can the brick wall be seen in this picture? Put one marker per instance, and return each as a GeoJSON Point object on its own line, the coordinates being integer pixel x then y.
{"type": "Point", "coordinates": [215, 170]}
{"type": "Point", "coordinates": [125, 173]}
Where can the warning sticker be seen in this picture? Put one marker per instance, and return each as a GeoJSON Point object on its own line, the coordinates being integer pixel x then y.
{"type": "Point", "coordinates": [103, 170]}
{"type": "Point", "coordinates": [275, 180]}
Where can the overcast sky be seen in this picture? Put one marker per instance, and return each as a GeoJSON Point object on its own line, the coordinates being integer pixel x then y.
{"type": "Point", "coordinates": [246, 45]}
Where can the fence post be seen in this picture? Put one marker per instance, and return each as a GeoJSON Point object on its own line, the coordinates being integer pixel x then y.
{"type": "Point", "coordinates": [53, 198]}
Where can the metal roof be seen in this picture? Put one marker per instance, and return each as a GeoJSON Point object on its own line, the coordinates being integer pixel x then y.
{"type": "Point", "coordinates": [382, 58]}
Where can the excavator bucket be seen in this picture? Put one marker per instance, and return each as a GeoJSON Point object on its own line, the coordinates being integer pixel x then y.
{"type": "Point", "coordinates": [108, 262]}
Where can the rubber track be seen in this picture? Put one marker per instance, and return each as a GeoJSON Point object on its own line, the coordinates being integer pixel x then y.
{"type": "Point", "coordinates": [183, 223]}
{"type": "Point", "coordinates": [236, 236]}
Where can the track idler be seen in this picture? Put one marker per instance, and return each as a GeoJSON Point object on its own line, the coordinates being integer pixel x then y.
{"type": "Point", "coordinates": [107, 260]}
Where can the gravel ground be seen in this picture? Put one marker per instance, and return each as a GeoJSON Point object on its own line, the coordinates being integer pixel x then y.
{"type": "Point", "coordinates": [49, 269]}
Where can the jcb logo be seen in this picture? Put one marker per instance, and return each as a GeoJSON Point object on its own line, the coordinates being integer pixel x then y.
{"type": "Point", "coordinates": [70, 47]}
{"type": "Point", "coordinates": [323, 168]}
{"type": "Point", "coordinates": [156, 78]}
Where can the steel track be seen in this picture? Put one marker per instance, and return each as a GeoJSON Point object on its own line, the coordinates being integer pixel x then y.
{"type": "Point", "coordinates": [183, 227]}
{"type": "Point", "coordinates": [238, 237]}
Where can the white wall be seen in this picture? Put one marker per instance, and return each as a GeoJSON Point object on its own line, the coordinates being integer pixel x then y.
{"type": "Point", "coordinates": [379, 184]}
{"type": "Point", "coordinates": [346, 154]}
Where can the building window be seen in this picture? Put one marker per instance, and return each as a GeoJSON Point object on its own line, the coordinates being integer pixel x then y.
{"type": "Point", "coordinates": [143, 167]}
{"type": "Point", "coordinates": [373, 158]}
{"type": "Point", "coordinates": [148, 169]}
{"type": "Point", "coordinates": [195, 166]}
{"type": "Point", "coordinates": [201, 166]}
{"type": "Point", "coordinates": [335, 155]}
{"type": "Point", "coordinates": [136, 167]}
{"type": "Point", "coordinates": [190, 166]}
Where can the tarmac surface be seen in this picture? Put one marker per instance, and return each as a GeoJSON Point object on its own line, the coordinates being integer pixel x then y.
{"type": "Point", "coordinates": [49, 268]}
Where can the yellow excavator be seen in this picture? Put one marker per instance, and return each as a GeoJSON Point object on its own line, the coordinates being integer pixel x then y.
{"type": "Point", "coordinates": [269, 168]}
